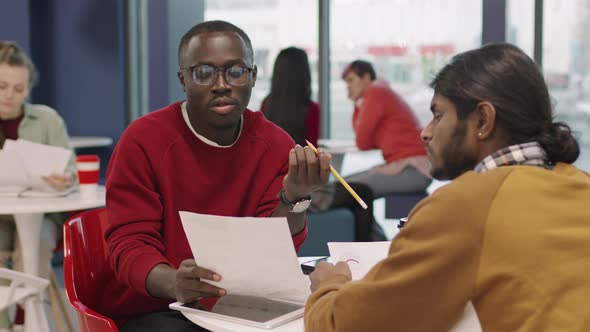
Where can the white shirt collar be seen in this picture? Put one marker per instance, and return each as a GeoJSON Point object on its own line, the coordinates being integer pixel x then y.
{"type": "Point", "coordinates": [203, 138]}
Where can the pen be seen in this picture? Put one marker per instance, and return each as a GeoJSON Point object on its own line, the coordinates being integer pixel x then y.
{"type": "Point", "coordinates": [341, 180]}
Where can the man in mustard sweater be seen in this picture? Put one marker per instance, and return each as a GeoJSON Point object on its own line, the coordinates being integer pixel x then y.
{"type": "Point", "coordinates": [510, 234]}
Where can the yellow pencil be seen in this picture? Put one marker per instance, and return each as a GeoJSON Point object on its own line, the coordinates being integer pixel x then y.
{"type": "Point", "coordinates": [339, 177]}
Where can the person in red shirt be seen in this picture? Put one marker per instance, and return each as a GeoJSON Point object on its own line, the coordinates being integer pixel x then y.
{"type": "Point", "coordinates": [382, 120]}
{"type": "Point", "coordinates": [208, 154]}
{"type": "Point", "coordinates": [289, 103]}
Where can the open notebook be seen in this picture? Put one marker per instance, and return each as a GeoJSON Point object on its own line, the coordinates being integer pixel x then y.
{"type": "Point", "coordinates": [24, 163]}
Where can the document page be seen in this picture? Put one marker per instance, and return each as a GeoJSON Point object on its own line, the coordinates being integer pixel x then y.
{"type": "Point", "coordinates": [39, 160]}
{"type": "Point", "coordinates": [13, 177]}
{"type": "Point", "coordinates": [360, 256]}
{"type": "Point", "coordinates": [254, 256]}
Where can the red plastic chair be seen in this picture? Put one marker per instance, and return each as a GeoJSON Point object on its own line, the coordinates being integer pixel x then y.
{"type": "Point", "coordinates": [86, 268]}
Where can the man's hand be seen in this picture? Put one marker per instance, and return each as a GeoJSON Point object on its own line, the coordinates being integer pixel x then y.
{"type": "Point", "coordinates": [189, 287]}
{"type": "Point", "coordinates": [307, 172]}
{"type": "Point", "coordinates": [59, 181]}
{"type": "Point", "coordinates": [325, 270]}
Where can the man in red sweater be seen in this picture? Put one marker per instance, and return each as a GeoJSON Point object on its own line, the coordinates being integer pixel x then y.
{"type": "Point", "coordinates": [208, 154]}
{"type": "Point", "coordinates": [382, 120]}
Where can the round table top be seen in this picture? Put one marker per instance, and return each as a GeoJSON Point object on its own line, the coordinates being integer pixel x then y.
{"type": "Point", "coordinates": [338, 146]}
{"type": "Point", "coordinates": [90, 141]}
{"type": "Point", "coordinates": [71, 202]}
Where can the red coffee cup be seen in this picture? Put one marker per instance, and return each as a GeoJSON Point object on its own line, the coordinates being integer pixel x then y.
{"type": "Point", "coordinates": [88, 171]}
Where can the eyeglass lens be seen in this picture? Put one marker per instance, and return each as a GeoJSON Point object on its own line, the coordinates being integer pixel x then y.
{"type": "Point", "coordinates": [235, 75]}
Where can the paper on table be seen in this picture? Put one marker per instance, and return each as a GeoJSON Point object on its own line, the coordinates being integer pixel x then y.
{"type": "Point", "coordinates": [360, 256]}
{"type": "Point", "coordinates": [39, 160]}
{"type": "Point", "coordinates": [12, 172]}
{"type": "Point", "coordinates": [468, 322]}
{"type": "Point", "coordinates": [254, 256]}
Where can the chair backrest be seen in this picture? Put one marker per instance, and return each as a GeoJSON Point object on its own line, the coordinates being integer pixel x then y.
{"type": "Point", "coordinates": [86, 268]}
{"type": "Point", "coordinates": [20, 286]}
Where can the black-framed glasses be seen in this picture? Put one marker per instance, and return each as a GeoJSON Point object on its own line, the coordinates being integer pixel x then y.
{"type": "Point", "coordinates": [236, 75]}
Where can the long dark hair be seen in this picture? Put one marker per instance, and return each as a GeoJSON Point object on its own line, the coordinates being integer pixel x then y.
{"type": "Point", "coordinates": [506, 77]}
{"type": "Point", "coordinates": [290, 93]}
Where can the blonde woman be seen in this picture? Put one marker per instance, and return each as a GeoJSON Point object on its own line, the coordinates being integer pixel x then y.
{"type": "Point", "coordinates": [36, 123]}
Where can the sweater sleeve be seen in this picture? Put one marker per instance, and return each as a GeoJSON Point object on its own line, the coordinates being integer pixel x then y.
{"type": "Point", "coordinates": [423, 285]}
{"type": "Point", "coordinates": [366, 119]}
{"type": "Point", "coordinates": [134, 209]}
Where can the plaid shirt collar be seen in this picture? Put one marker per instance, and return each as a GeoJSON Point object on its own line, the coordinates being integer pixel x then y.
{"type": "Point", "coordinates": [530, 153]}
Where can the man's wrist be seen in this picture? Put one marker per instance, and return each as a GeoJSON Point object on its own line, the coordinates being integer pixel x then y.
{"type": "Point", "coordinates": [291, 197]}
{"type": "Point", "coordinates": [296, 206]}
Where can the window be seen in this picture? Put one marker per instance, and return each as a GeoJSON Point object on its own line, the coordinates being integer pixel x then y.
{"type": "Point", "coordinates": [520, 24]}
{"type": "Point", "coordinates": [566, 66]}
{"type": "Point", "coordinates": [407, 42]}
{"type": "Point", "coordinates": [271, 26]}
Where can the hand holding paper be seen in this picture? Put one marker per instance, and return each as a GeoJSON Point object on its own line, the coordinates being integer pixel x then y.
{"type": "Point", "coordinates": [224, 245]}
{"type": "Point", "coordinates": [24, 165]}
{"type": "Point", "coordinates": [191, 282]}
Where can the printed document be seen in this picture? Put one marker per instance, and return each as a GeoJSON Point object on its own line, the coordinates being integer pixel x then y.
{"type": "Point", "coordinates": [254, 256]}
{"type": "Point", "coordinates": [24, 163]}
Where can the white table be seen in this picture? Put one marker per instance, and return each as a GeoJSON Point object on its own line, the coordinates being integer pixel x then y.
{"type": "Point", "coordinates": [90, 141]}
{"type": "Point", "coordinates": [468, 322]}
{"type": "Point", "coordinates": [28, 216]}
{"type": "Point", "coordinates": [338, 146]}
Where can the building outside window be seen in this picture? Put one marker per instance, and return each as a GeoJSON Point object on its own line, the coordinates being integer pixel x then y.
{"type": "Point", "coordinates": [407, 42]}
{"type": "Point", "coordinates": [566, 66]}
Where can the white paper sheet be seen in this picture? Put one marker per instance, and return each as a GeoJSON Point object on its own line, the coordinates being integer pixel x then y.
{"type": "Point", "coordinates": [254, 256]}
{"type": "Point", "coordinates": [360, 256]}
{"type": "Point", "coordinates": [469, 322]}
{"type": "Point", "coordinates": [39, 160]}
{"type": "Point", "coordinates": [13, 175]}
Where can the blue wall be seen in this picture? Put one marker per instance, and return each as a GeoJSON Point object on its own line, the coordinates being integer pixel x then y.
{"type": "Point", "coordinates": [79, 49]}
{"type": "Point", "coordinates": [87, 59]}
{"type": "Point", "coordinates": [158, 57]}
{"type": "Point", "coordinates": [14, 22]}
